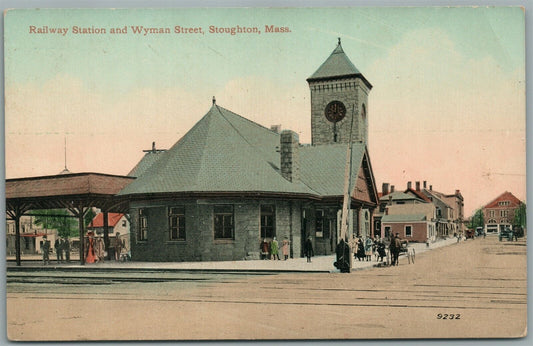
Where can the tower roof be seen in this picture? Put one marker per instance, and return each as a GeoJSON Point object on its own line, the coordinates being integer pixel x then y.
{"type": "Point", "coordinates": [337, 65]}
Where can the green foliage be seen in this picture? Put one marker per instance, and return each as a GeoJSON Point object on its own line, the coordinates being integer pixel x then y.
{"type": "Point", "coordinates": [89, 216]}
{"type": "Point", "coordinates": [520, 216]}
{"type": "Point", "coordinates": [477, 219]}
{"type": "Point", "coordinates": [58, 219]}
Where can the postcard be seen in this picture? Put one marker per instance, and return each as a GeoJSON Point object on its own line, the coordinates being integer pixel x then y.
{"type": "Point", "coordinates": [265, 173]}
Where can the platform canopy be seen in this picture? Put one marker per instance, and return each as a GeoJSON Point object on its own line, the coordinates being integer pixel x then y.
{"type": "Point", "coordinates": [76, 192]}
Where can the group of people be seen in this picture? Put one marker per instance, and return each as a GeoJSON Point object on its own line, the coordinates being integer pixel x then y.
{"type": "Point", "coordinates": [270, 250]}
{"type": "Point", "coordinates": [364, 248]}
{"type": "Point", "coordinates": [62, 247]}
{"type": "Point", "coordinates": [95, 250]}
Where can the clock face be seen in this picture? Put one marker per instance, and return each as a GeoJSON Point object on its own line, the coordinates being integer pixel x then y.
{"type": "Point", "coordinates": [335, 111]}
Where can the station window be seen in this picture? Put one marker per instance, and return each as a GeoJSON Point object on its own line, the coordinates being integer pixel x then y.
{"type": "Point", "coordinates": [176, 223]}
{"type": "Point", "coordinates": [268, 221]}
{"type": "Point", "coordinates": [223, 219]}
{"type": "Point", "coordinates": [142, 235]}
{"type": "Point", "coordinates": [319, 223]}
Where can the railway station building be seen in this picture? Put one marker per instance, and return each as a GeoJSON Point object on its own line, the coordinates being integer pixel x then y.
{"type": "Point", "coordinates": [229, 182]}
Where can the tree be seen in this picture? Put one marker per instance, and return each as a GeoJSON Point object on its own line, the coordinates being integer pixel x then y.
{"type": "Point", "coordinates": [477, 219]}
{"type": "Point", "coordinates": [58, 219]}
{"type": "Point", "coordinates": [89, 216]}
{"type": "Point", "coordinates": [520, 216]}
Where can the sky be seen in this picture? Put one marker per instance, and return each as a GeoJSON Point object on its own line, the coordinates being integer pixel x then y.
{"type": "Point", "coordinates": [447, 104]}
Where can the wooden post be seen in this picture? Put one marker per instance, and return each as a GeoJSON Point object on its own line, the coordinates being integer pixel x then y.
{"type": "Point", "coordinates": [15, 211]}
{"type": "Point", "coordinates": [82, 236]}
{"type": "Point", "coordinates": [106, 232]}
{"type": "Point", "coordinates": [17, 238]}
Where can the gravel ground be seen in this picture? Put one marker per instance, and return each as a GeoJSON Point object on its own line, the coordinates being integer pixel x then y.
{"type": "Point", "coordinates": [473, 289]}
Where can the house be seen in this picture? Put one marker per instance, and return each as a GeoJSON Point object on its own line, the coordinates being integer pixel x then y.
{"type": "Point", "coordinates": [500, 212]}
{"type": "Point", "coordinates": [229, 183]}
{"type": "Point", "coordinates": [30, 236]}
{"type": "Point", "coordinates": [118, 224]}
{"type": "Point", "coordinates": [449, 210]}
{"type": "Point", "coordinates": [408, 213]}
{"type": "Point", "coordinates": [420, 213]}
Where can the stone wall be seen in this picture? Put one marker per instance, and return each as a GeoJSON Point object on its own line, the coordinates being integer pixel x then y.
{"type": "Point", "coordinates": [350, 92]}
{"type": "Point", "coordinates": [200, 244]}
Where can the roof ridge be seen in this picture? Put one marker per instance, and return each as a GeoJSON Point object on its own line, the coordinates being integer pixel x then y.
{"type": "Point", "coordinates": [246, 119]}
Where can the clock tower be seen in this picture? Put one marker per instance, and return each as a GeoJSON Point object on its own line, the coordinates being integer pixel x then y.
{"type": "Point", "coordinates": [339, 93]}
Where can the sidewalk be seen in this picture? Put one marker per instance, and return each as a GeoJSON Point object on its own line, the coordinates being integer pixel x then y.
{"type": "Point", "coordinates": [318, 264]}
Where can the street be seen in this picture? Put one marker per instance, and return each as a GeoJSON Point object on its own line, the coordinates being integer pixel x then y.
{"type": "Point", "coordinates": [473, 289]}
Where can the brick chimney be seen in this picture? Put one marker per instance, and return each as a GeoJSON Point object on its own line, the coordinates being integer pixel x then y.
{"type": "Point", "coordinates": [409, 185]}
{"type": "Point", "coordinates": [425, 184]}
{"type": "Point", "coordinates": [275, 128]}
{"type": "Point", "coordinates": [290, 157]}
{"type": "Point", "coordinates": [417, 186]}
{"type": "Point", "coordinates": [391, 188]}
{"type": "Point", "coordinates": [385, 189]}
{"type": "Point", "coordinates": [430, 187]}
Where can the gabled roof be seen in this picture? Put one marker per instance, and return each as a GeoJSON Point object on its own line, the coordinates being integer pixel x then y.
{"type": "Point", "coordinates": [403, 218]}
{"type": "Point", "coordinates": [112, 220]}
{"type": "Point", "coordinates": [506, 196]}
{"type": "Point", "coordinates": [418, 194]}
{"type": "Point", "coordinates": [435, 196]}
{"type": "Point", "coordinates": [400, 196]}
{"type": "Point", "coordinates": [222, 152]}
{"type": "Point", "coordinates": [337, 65]}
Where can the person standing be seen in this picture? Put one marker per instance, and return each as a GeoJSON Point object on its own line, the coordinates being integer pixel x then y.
{"type": "Point", "coordinates": [395, 249]}
{"type": "Point", "coordinates": [46, 250]}
{"type": "Point", "coordinates": [360, 249]}
{"type": "Point", "coordinates": [274, 249]}
{"type": "Point", "coordinates": [99, 249]}
{"type": "Point", "coordinates": [308, 249]}
{"type": "Point", "coordinates": [381, 250]}
{"type": "Point", "coordinates": [368, 248]}
{"type": "Point", "coordinates": [264, 249]}
{"type": "Point", "coordinates": [285, 248]}
{"type": "Point", "coordinates": [66, 249]}
{"type": "Point", "coordinates": [89, 254]}
{"type": "Point", "coordinates": [59, 249]}
{"type": "Point", "coordinates": [118, 246]}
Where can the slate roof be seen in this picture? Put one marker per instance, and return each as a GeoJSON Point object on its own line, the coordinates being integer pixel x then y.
{"type": "Point", "coordinates": [403, 218]}
{"type": "Point", "coordinates": [148, 160]}
{"type": "Point", "coordinates": [337, 65]}
{"type": "Point", "coordinates": [322, 167]}
{"type": "Point", "coordinates": [225, 152]}
{"type": "Point", "coordinates": [222, 152]}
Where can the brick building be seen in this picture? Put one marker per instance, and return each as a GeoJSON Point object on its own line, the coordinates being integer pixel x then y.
{"type": "Point", "coordinates": [408, 213]}
{"type": "Point", "coordinates": [229, 182]}
{"type": "Point", "coordinates": [420, 213]}
{"type": "Point", "coordinates": [500, 212]}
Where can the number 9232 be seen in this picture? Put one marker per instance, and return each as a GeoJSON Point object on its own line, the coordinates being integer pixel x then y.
{"type": "Point", "coordinates": [448, 316]}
